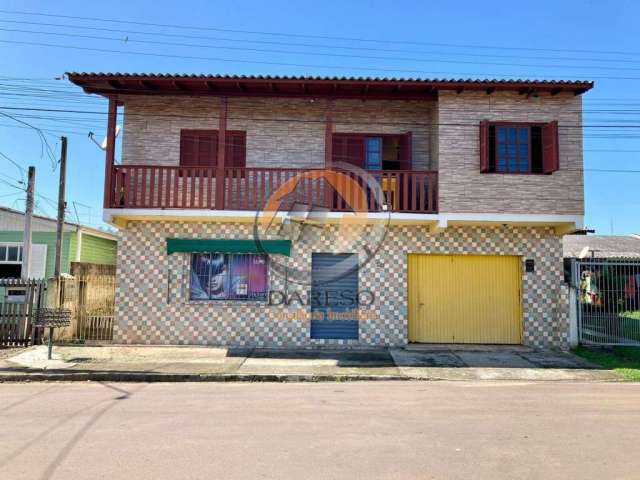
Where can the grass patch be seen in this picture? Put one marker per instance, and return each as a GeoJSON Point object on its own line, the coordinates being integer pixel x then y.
{"type": "Point", "coordinates": [623, 360]}
{"type": "Point", "coordinates": [635, 314]}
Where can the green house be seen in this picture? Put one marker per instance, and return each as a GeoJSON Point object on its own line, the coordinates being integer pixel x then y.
{"type": "Point", "coordinates": [79, 244]}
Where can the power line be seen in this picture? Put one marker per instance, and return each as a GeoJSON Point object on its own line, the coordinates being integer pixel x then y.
{"type": "Point", "coordinates": [16, 164]}
{"type": "Point", "coordinates": [54, 101]}
{"type": "Point", "coordinates": [608, 170]}
{"type": "Point", "coordinates": [61, 101]}
{"type": "Point", "coordinates": [285, 64]}
{"type": "Point", "coordinates": [611, 150]}
{"type": "Point", "coordinates": [165, 34]}
{"type": "Point", "coordinates": [38, 206]}
{"type": "Point", "coordinates": [323, 37]}
{"type": "Point", "coordinates": [44, 144]}
{"type": "Point", "coordinates": [12, 185]}
{"type": "Point", "coordinates": [576, 133]}
{"type": "Point", "coordinates": [20, 186]}
{"type": "Point", "coordinates": [276, 119]}
{"type": "Point", "coordinates": [79, 123]}
{"type": "Point", "coordinates": [12, 194]}
{"type": "Point", "coordinates": [321, 54]}
{"type": "Point", "coordinates": [51, 132]}
{"type": "Point", "coordinates": [53, 95]}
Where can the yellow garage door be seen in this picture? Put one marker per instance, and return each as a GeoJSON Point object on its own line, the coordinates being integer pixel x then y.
{"type": "Point", "coordinates": [465, 299]}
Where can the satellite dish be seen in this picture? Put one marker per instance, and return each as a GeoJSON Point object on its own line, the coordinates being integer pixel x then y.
{"type": "Point", "coordinates": [103, 145]}
{"type": "Point", "coordinates": [584, 252]}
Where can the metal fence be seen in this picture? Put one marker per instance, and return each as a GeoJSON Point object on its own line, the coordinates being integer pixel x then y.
{"type": "Point", "coordinates": [20, 301]}
{"type": "Point", "coordinates": [91, 299]}
{"type": "Point", "coordinates": [608, 301]}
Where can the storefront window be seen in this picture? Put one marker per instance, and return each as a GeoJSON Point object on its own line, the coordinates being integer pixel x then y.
{"type": "Point", "coordinates": [219, 276]}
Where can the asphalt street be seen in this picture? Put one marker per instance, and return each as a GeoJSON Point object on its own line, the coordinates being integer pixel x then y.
{"type": "Point", "coordinates": [387, 430]}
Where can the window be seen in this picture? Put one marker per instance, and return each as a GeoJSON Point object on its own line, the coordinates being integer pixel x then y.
{"type": "Point", "coordinates": [10, 253]}
{"type": "Point", "coordinates": [225, 276]}
{"type": "Point", "coordinates": [518, 147]}
{"type": "Point", "coordinates": [10, 260]}
{"type": "Point", "coordinates": [513, 152]}
{"type": "Point", "coordinates": [373, 151]}
{"type": "Point", "coordinates": [199, 148]}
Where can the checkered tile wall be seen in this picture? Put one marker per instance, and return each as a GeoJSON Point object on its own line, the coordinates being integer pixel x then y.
{"type": "Point", "coordinates": [152, 296]}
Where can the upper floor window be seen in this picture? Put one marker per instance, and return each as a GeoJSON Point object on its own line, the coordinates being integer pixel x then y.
{"type": "Point", "coordinates": [373, 151]}
{"type": "Point", "coordinates": [518, 147]}
{"type": "Point", "coordinates": [199, 148]}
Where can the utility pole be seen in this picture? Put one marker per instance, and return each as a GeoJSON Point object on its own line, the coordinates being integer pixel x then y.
{"type": "Point", "coordinates": [26, 240]}
{"type": "Point", "coordinates": [60, 226]}
{"type": "Point", "coordinates": [61, 208]}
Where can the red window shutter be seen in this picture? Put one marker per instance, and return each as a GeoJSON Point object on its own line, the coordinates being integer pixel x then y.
{"type": "Point", "coordinates": [198, 148]}
{"type": "Point", "coordinates": [207, 150]}
{"type": "Point", "coordinates": [550, 154]}
{"type": "Point", "coordinates": [355, 151]}
{"type": "Point", "coordinates": [188, 146]}
{"type": "Point", "coordinates": [236, 150]}
{"type": "Point", "coordinates": [406, 143]}
{"type": "Point", "coordinates": [348, 149]}
{"type": "Point", "coordinates": [484, 146]}
{"type": "Point", "coordinates": [338, 148]}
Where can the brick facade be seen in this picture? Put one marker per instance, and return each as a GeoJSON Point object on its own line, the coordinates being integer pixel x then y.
{"type": "Point", "coordinates": [152, 303]}
{"type": "Point", "coordinates": [153, 307]}
{"type": "Point", "coordinates": [462, 188]}
{"type": "Point", "coordinates": [280, 132]}
{"type": "Point", "coordinates": [290, 133]}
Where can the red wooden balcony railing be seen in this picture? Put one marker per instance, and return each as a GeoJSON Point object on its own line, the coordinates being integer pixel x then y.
{"type": "Point", "coordinates": [164, 187]}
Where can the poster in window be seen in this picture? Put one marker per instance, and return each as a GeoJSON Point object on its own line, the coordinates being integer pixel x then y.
{"type": "Point", "coordinates": [209, 276]}
{"type": "Point", "coordinates": [217, 276]}
{"type": "Point", "coordinates": [199, 276]}
{"type": "Point", "coordinates": [248, 277]}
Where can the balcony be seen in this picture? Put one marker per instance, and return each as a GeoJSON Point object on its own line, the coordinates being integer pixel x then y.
{"type": "Point", "coordinates": [251, 189]}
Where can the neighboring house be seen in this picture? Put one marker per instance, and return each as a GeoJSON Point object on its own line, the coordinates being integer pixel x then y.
{"type": "Point", "coordinates": [316, 211]}
{"type": "Point", "coordinates": [601, 246]}
{"type": "Point", "coordinates": [603, 272]}
{"type": "Point", "coordinates": [79, 244]}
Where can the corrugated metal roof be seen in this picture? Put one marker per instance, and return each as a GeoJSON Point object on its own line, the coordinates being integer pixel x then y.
{"type": "Point", "coordinates": [53, 221]}
{"type": "Point", "coordinates": [496, 81]}
{"type": "Point", "coordinates": [602, 246]}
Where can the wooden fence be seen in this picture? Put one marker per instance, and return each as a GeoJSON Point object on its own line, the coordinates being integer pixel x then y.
{"type": "Point", "coordinates": [19, 303]}
{"type": "Point", "coordinates": [91, 298]}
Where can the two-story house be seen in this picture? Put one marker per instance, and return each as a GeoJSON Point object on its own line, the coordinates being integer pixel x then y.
{"type": "Point", "coordinates": [312, 211]}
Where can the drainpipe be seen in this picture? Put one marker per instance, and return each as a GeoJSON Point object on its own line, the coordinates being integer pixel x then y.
{"type": "Point", "coordinates": [78, 243]}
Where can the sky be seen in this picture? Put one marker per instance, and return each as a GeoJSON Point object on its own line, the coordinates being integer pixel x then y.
{"type": "Point", "coordinates": [592, 40]}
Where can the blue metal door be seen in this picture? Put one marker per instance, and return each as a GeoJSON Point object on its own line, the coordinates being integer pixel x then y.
{"type": "Point", "coordinates": [334, 296]}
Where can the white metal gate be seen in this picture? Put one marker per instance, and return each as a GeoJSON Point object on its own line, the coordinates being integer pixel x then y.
{"type": "Point", "coordinates": [608, 301]}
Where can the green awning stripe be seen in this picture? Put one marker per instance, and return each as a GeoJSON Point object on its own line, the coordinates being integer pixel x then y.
{"type": "Point", "coordinates": [280, 247]}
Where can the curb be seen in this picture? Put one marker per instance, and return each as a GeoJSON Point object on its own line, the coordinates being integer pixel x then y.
{"type": "Point", "coordinates": [177, 378]}
{"type": "Point", "coordinates": [137, 377]}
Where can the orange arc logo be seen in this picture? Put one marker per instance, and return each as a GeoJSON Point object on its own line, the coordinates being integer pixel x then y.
{"type": "Point", "coordinates": [349, 189]}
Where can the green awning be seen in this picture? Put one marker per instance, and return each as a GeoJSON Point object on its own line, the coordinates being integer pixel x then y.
{"type": "Point", "coordinates": [281, 247]}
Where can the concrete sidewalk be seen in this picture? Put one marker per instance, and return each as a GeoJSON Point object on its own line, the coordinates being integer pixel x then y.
{"type": "Point", "coordinates": [158, 363]}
